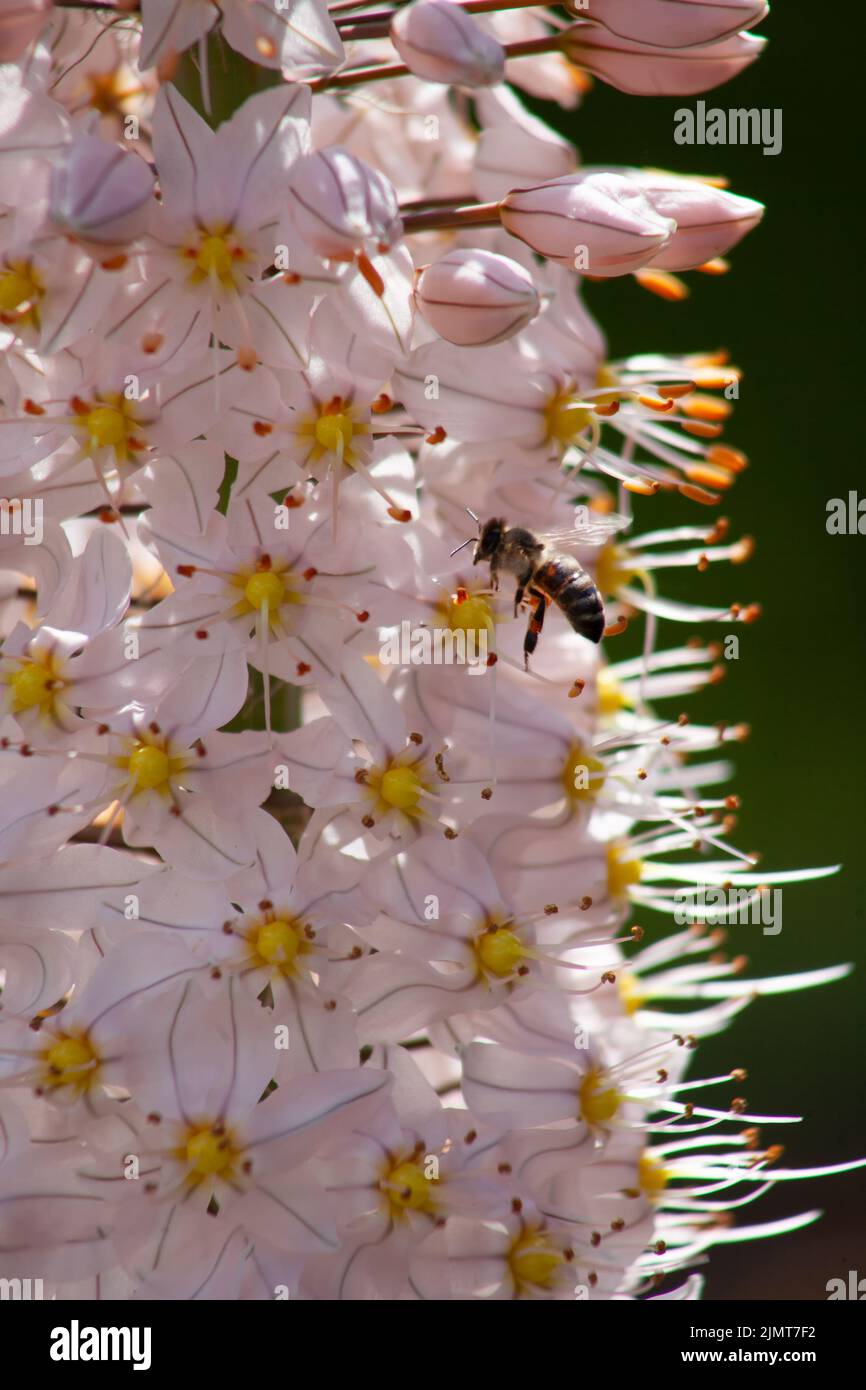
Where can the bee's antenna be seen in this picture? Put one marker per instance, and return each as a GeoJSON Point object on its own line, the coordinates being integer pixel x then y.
{"type": "Point", "coordinates": [463, 545]}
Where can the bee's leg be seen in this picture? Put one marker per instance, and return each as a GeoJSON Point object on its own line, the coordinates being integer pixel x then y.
{"type": "Point", "coordinates": [494, 576]}
{"type": "Point", "coordinates": [521, 588]}
{"type": "Point", "coordinates": [533, 630]}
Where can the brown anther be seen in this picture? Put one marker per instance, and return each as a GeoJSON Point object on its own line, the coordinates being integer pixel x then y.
{"type": "Point", "coordinates": [303, 669]}
{"type": "Point", "coordinates": [290, 277]}
{"type": "Point", "coordinates": [516, 1206]}
{"type": "Point", "coordinates": [739, 1074]}
{"type": "Point", "coordinates": [382, 404]}
{"type": "Point", "coordinates": [262, 428]}
{"type": "Point", "coordinates": [292, 502]}
{"type": "Point", "coordinates": [550, 909]}
{"type": "Point", "coordinates": [641, 774]}
{"type": "Point", "coordinates": [361, 776]}
{"type": "Point", "coordinates": [31, 408]}
{"type": "Point", "coordinates": [416, 738]}
{"type": "Point", "coordinates": [187, 571]}
{"type": "Point", "coordinates": [310, 573]}
{"type": "Point", "coordinates": [492, 659]}
{"type": "Point", "coordinates": [247, 1166]}
{"type": "Point", "coordinates": [595, 1239]}
{"type": "Point", "coordinates": [486, 793]}
{"type": "Point", "coordinates": [738, 1105]}
{"type": "Point", "coordinates": [202, 634]}
{"type": "Point", "coordinates": [450, 834]}
{"type": "Point", "coordinates": [330, 1005]}
{"type": "Point", "coordinates": [152, 342]}
{"type": "Point", "coordinates": [367, 822]}
{"type": "Point", "coordinates": [608, 977]}
{"type": "Point", "coordinates": [470, 1136]}
{"type": "Point", "coordinates": [399, 514]}
{"type": "Point", "coordinates": [228, 929]}
{"type": "Point", "coordinates": [636, 933]}
{"type": "Point", "coordinates": [437, 437]}
{"type": "Point", "coordinates": [216, 973]}
{"type": "Point", "coordinates": [363, 616]}
{"type": "Point", "coordinates": [618, 1224]}
{"type": "Point", "coordinates": [577, 689]}
{"type": "Point", "coordinates": [661, 1075]}
{"type": "Point", "coordinates": [247, 358]}
{"type": "Point", "coordinates": [585, 904]}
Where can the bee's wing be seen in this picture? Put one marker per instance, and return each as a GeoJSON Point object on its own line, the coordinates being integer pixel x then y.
{"type": "Point", "coordinates": [593, 529]}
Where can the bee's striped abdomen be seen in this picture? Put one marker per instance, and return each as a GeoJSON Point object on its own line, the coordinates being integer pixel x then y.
{"type": "Point", "coordinates": [568, 585]}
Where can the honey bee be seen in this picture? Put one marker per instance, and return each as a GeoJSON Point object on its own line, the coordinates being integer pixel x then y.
{"type": "Point", "coordinates": [544, 571]}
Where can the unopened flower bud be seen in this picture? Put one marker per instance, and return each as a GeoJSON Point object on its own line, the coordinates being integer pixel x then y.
{"type": "Point", "coordinates": [440, 42]}
{"type": "Point", "coordinates": [602, 224]}
{"type": "Point", "coordinates": [340, 206]}
{"type": "Point", "coordinates": [682, 24]}
{"type": "Point", "coordinates": [474, 298]}
{"type": "Point", "coordinates": [100, 192]}
{"type": "Point", "coordinates": [710, 221]}
{"type": "Point", "coordinates": [21, 21]}
{"type": "Point", "coordinates": [647, 70]}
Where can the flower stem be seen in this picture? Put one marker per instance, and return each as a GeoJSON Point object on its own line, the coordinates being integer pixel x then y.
{"type": "Point", "coordinates": [383, 72]}
{"type": "Point", "coordinates": [461, 215]}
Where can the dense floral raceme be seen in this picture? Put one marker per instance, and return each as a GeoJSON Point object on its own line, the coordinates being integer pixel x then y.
{"type": "Point", "coordinates": [320, 863]}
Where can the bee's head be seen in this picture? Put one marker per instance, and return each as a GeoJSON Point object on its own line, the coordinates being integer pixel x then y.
{"type": "Point", "coordinates": [489, 539]}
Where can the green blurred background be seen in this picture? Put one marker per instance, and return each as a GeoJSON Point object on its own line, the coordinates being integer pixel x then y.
{"type": "Point", "coordinates": [786, 313]}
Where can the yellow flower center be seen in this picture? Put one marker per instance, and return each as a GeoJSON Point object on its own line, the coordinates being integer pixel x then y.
{"type": "Point", "coordinates": [106, 426]}
{"type": "Point", "coordinates": [278, 942]}
{"type": "Point", "coordinates": [612, 568]}
{"type": "Point", "coordinates": [111, 92]}
{"type": "Point", "coordinates": [564, 419]}
{"type": "Point", "coordinates": [499, 951]}
{"type": "Point", "coordinates": [401, 787]}
{"type": "Point", "coordinates": [534, 1260]}
{"type": "Point", "coordinates": [264, 587]}
{"type": "Point", "coordinates": [32, 685]}
{"type": "Point", "coordinates": [149, 767]}
{"type": "Point", "coordinates": [652, 1176]}
{"type": "Point", "coordinates": [334, 432]}
{"type": "Point", "coordinates": [19, 285]}
{"type": "Point", "coordinates": [623, 870]}
{"type": "Point", "coordinates": [70, 1061]}
{"type": "Point", "coordinates": [214, 260]}
{"type": "Point", "coordinates": [209, 1152]}
{"type": "Point", "coordinates": [407, 1188]}
{"type": "Point", "coordinates": [599, 1101]}
{"type": "Point", "coordinates": [611, 695]}
{"type": "Point", "coordinates": [630, 992]}
{"type": "Point", "coordinates": [582, 776]}
{"type": "Point", "coordinates": [468, 614]}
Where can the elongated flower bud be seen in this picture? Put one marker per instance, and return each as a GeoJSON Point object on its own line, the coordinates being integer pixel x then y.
{"type": "Point", "coordinates": [647, 70]}
{"type": "Point", "coordinates": [682, 24]}
{"type": "Point", "coordinates": [100, 192]}
{"type": "Point", "coordinates": [602, 224]}
{"type": "Point", "coordinates": [21, 21]}
{"type": "Point", "coordinates": [341, 206]}
{"type": "Point", "coordinates": [439, 41]}
{"type": "Point", "coordinates": [710, 221]}
{"type": "Point", "coordinates": [475, 298]}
